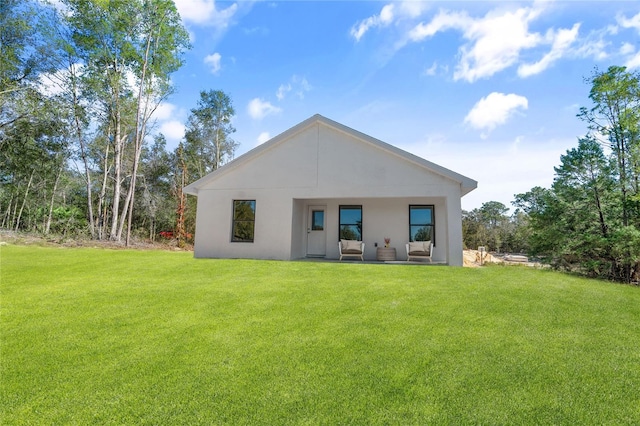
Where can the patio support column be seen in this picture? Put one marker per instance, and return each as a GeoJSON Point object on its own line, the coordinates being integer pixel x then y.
{"type": "Point", "coordinates": [454, 226]}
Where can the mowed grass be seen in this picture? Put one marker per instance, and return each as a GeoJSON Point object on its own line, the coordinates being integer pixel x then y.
{"type": "Point", "coordinates": [94, 336]}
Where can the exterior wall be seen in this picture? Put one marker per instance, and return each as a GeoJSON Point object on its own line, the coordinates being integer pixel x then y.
{"type": "Point", "coordinates": [321, 162]}
{"type": "Point", "coordinates": [323, 165]}
{"type": "Point", "coordinates": [272, 237]}
{"type": "Point", "coordinates": [298, 229]}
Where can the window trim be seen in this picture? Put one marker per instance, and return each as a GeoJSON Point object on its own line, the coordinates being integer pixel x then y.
{"type": "Point", "coordinates": [432, 224]}
{"type": "Point", "coordinates": [234, 221]}
{"type": "Point", "coordinates": [350, 206]}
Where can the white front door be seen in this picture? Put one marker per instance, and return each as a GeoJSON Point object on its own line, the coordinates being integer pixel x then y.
{"type": "Point", "coordinates": [316, 234]}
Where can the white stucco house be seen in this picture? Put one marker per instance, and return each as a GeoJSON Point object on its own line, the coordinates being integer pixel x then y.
{"type": "Point", "coordinates": [298, 194]}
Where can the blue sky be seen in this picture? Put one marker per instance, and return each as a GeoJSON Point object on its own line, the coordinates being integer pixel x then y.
{"type": "Point", "coordinates": [487, 89]}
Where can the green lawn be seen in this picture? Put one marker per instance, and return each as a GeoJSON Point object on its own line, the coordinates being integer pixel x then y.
{"type": "Point", "coordinates": [95, 336]}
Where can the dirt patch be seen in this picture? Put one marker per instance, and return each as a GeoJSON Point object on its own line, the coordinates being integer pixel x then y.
{"type": "Point", "coordinates": [20, 238]}
{"type": "Point", "coordinates": [471, 259]}
{"type": "Point", "coordinates": [474, 259]}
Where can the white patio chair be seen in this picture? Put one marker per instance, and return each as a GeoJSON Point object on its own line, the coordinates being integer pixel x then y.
{"type": "Point", "coordinates": [351, 248]}
{"type": "Point", "coordinates": [419, 250]}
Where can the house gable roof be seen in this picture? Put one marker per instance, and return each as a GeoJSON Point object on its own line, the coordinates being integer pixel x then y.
{"type": "Point", "coordinates": [467, 184]}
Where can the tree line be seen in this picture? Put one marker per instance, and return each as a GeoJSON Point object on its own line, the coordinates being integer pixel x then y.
{"type": "Point", "coordinates": [491, 226]}
{"type": "Point", "coordinates": [79, 86]}
{"type": "Point", "coordinates": [590, 217]}
{"type": "Point", "coordinates": [588, 221]}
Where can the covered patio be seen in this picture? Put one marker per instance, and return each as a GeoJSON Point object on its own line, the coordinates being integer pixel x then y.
{"type": "Point", "coordinates": [319, 224]}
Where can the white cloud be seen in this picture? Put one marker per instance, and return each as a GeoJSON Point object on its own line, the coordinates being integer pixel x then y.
{"type": "Point", "coordinates": [633, 22]}
{"type": "Point", "coordinates": [495, 109]}
{"type": "Point", "coordinates": [633, 62]}
{"type": "Point", "coordinates": [214, 62]}
{"type": "Point", "coordinates": [627, 49]}
{"type": "Point", "coordinates": [514, 148]}
{"type": "Point", "coordinates": [263, 137]}
{"type": "Point", "coordinates": [496, 42]}
{"type": "Point", "coordinates": [390, 13]}
{"type": "Point", "coordinates": [493, 42]}
{"type": "Point", "coordinates": [298, 85]}
{"type": "Point", "coordinates": [431, 71]}
{"type": "Point", "coordinates": [441, 22]}
{"type": "Point", "coordinates": [132, 80]}
{"type": "Point", "coordinates": [561, 42]}
{"type": "Point", "coordinates": [173, 130]}
{"type": "Point", "coordinates": [53, 84]}
{"type": "Point", "coordinates": [283, 90]}
{"type": "Point", "coordinates": [383, 19]}
{"type": "Point", "coordinates": [633, 59]}
{"type": "Point", "coordinates": [412, 8]}
{"type": "Point", "coordinates": [165, 111]}
{"type": "Point", "coordinates": [302, 86]}
{"type": "Point", "coordinates": [205, 12]}
{"type": "Point", "coordinates": [168, 117]}
{"type": "Point", "coordinates": [594, 45]}
{"type": "Point", "coordinates": [258, 109]}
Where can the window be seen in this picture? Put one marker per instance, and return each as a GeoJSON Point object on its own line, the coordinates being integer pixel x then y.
{"type": "Point", "coordinates": [317, 220]}
{"type": "Point", "coordinates": [421, 224]}
{"type": "Point", "coordinates": [244, 218]}
{"type": "Point", "coordinates": [351, 223]}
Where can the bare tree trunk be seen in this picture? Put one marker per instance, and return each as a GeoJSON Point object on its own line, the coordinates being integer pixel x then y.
{"type": "Point", "coordinates": [47, 225]}
{"type": "Point", "coordinates": [103, 194]}
{"type": "Point", "coordinates": [141, 127]}
{"type": "Point", "coordinates": [7, 213]}
{"type": "Point", "coordinates": [118, 151]}
{"type": "Point", "coordinates": [115, 207]}
{"type": "Point", "coordinates": [180, 228]}
{"type": "Point", "coordinates": [217, 147]}
{"type": "Point", "coordinates": [24, 201]}
{"type": "Point", "coordinates": [83, 152]}
{"type": "Point", "coordinates": [15, 212]}
{"type": "Point", "coordinates": [126, 210]}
